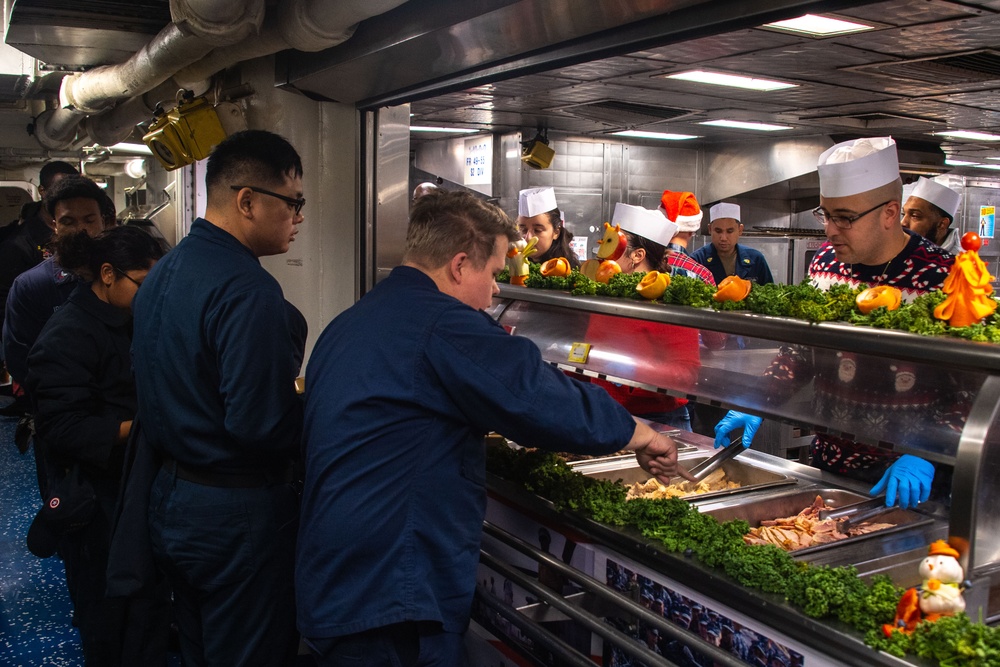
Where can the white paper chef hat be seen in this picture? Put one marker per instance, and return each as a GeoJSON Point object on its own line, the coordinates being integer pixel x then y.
{"type": "Point", "coordinates": [941, 196]}
{"type": "Point", "coordinates": [535, 201]}
{"type": "Point", "coordinates": [724, 210]}
{"type": "Point", "coordinates": [652, 225]}
{"type": "Point", "coordinates": [856, 166]}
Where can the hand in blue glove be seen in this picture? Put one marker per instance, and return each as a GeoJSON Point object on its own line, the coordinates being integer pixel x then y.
{"type": "Point", "coordinates": [910, 477]}
{"type": "Point", "coordinates": [732, 421]}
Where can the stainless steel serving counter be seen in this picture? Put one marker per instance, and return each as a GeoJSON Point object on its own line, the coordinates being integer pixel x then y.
{"type": "Point", "coordinates": [959, 434]}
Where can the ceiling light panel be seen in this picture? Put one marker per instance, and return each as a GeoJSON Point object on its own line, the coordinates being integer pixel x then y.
{"type": "Point", "coordinates": [968, 134]}
{"type": "Point", "coordinates": [666, 136]}
{"type": "Point", "coordinates": [746, 125]}
{"type": "Point", "coordinates": [731, 80]}
{"type": "Point", "coordinates": [819, 26]}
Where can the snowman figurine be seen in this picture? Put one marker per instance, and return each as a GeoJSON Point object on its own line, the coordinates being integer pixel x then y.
{"type": "Point", "coordinates": [941, 591]}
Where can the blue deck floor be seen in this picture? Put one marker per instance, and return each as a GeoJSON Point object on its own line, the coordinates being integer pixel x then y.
{"type": "Point", "coordinates": [35, 612]}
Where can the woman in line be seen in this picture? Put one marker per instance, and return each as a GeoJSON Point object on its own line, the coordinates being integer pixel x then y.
{"type": "Point", "coordinates": [79, 375]}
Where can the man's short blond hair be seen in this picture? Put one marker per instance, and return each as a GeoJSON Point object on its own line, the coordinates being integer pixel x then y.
{"type": "Point", "coordinates": [446, 224]}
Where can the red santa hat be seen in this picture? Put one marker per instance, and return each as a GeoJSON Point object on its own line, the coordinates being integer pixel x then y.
{"type": "Point", "coordinates": [682, 209]}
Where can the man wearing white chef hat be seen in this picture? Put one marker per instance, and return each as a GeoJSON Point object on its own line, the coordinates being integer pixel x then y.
{"type": "Point", "coordinates": [930, 211]}
{"type": "Point", "coordinates": [724, 256]}
{"type": "Point", "coordinates": [860, 192]}
{"type": "Point", "coordinates": [538, 217]}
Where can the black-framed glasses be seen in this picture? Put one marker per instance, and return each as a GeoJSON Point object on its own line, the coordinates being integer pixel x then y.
{"type": "Point", "coordinates": [134, 281]}
{"type": "Point", "coordinates": [843, 221]}
{"type": "Point", "coordinates": [291, 201]}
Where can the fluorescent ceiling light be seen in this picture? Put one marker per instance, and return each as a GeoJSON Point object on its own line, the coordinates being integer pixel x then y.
{"type": "Point", "coordinates": [964, 163]}
{"type": "Point", "coordinates": [429, 128]}
{"type": "Point", "coordinates": [142, 149]}
{"type": "Point", "coordinates": [987, 166]}
{"type": "Point", "coordinates": [824, 26]}
{"type": "Point", "coordinates": [732, 80]}
{"type": "Point", "coordinates": [668, 136]}
{"type": "Point", "coordinates": [745, 125]}
{"type": "Point", "coordinates": [966, 134]}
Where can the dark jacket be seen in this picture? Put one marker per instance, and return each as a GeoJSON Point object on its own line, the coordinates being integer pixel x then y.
{"type": "Point", "coordinates": [22, 249]}
{"type": "Point", "coordinates": [750, 264]}
{"type": "Point", "coordinates": [79, 375]}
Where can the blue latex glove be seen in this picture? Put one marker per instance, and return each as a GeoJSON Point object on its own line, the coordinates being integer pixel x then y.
{"type": "Point", "coordinates": [910, 478]}
{"type": "Point", "coordinates": [732, 421]}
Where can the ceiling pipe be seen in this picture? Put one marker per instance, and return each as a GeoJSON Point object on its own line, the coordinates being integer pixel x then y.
{"type": "Point", "coordinates": [198, 27]}
{"type": "Point", "coordinates": [205, 37]}
{"type": "Point", "coordinates": [304, 25]}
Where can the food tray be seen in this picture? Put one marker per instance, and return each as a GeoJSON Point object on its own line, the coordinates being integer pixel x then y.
{"type": "Point", "coordinates": [755, 510]}
{"type": "Point", "coordinates": [628, 471]}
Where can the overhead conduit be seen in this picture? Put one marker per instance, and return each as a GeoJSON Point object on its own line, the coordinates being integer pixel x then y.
{"type": "Point", "coordinates": [204, 37]}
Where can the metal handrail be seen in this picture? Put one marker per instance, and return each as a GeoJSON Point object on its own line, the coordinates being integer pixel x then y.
{"type": "Point", "coordinates": [544, 638]}
{"type": "Point", "coordinates": [587, 620]}
{"type": "Point", "coordinates": [605, 594]}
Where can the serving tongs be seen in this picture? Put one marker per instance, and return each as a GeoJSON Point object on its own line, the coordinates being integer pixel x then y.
{"type": "Point", "coordinates": [705, 468]}
{"type": "Point", "coordinates": [857, 513]}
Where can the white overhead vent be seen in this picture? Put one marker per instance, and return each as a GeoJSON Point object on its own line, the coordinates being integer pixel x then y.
{"type": "Point", "coordinates": [625, 114]}
{"type": "Point", "coordinates": [971, 67]}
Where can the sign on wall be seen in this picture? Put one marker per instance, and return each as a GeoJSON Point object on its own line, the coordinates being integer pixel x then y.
{"type": "Point", "coordinates": [479, 160]}
{"type": "Point", "coordinates": [987, 219]}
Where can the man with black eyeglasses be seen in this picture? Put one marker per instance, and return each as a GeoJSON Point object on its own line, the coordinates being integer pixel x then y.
{"type": "Point", "coordinates": [860, 193]}
{"type": "Point", "coordinates": [216, 352]}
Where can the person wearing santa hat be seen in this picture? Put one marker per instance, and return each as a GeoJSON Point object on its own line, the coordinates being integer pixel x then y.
{"type": "Point", "coordinates": [676, 348]}
{"type": "Point", "coordinates": [538, 217]}
{"type": "Point", "coordinates": [930, 211]}
{"type": "Point", "coordinates": [860, 192]}
{"type": "Point", "coordinates": [724, 256]}
{"type": "Point", "coordinates": [682, 209]}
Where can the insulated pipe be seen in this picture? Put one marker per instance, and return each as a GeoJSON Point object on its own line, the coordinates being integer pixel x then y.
{"type": "Point", "coordinates": [305, 25]}
{"type": "Point", "coordinates": [116, 124]}
{"type": "Point", "coordinates": [199, 26]}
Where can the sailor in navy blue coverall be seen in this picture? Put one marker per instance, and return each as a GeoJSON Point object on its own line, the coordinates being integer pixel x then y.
{"type": "Point", "coordinates": [217, 349]}
{"type": "Point", "coordinates": [400, 390]}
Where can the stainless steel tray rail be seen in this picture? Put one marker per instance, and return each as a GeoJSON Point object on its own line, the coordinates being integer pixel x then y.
{"type": "Point", "coordinates": [609, 598]}
{"type": "Point", "coordinates": [535, 632]}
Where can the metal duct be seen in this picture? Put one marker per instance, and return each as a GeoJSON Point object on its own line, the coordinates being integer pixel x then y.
{"type": "Point", "coordinates": [728, 173]}
{"type": "Point", "coordinates": [305, 25]}
{"type": "Point", "coordinates": [205, 26]}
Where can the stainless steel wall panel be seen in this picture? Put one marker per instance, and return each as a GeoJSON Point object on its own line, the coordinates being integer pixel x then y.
{"type": "Point", "coordinates": [392, 187]}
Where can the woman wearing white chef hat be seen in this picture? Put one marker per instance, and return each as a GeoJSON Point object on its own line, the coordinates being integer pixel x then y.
{"type": "Point", "coordinates": [930, 211]}
{"type": "Point", "coordinates": [538, 217]}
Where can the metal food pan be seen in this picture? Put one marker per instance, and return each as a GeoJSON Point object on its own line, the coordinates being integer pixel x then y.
{"type": "Point", "coordinates": [755, 510]}
{"type": "Point", "coordinates": [749, 477]}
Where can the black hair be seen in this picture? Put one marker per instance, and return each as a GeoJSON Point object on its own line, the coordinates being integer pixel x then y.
{"type": "Point", "coordinates": [561, 246]}
{"type": "Point", "coordinates": [125, 248]}
{"type": "Point", "coordinates": [941, 212]}
{"type": "Point", "coordinates": [654, 251]}
{"type": "Point", "coordinates": [108, 210]}
{"type": "Point", "coordinates": [251, 157]}
{"type": "Point", "coordinates": [73, 187]}
{"type": "Point", "coordinates": [51, 169]}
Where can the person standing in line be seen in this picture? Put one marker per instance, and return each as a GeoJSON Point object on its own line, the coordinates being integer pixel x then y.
{"type": "Point", "coordinates": [724, 256]}
{"type": "Point", "coordinates": [682, 209]}
{"type": "Point", "coordinates": [24, 247]}
{"type": "Point", "coordinates": [80, 380]}
{"type": "Point", "coordinates": [395, 461]}
{"type": "Point", "coordinates": [930, 211]}
{"type": "Point", "coordinates": [216, 350]}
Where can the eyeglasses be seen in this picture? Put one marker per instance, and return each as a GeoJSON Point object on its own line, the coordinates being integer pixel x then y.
{"type": "Point", "coordinates": [843, 221]}
{"type": "Point", "coordinates": [134, 281]}
{"type": "Point", "coordinates": [291, 201]}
